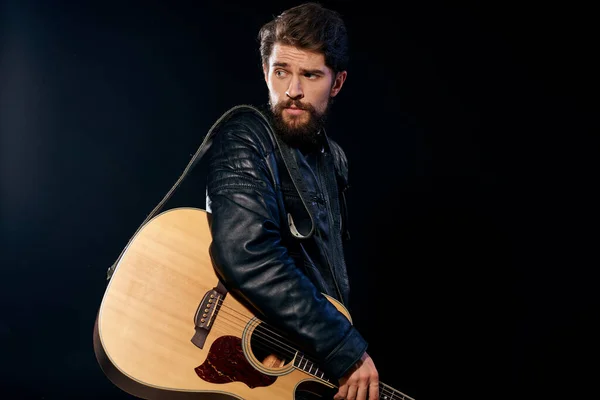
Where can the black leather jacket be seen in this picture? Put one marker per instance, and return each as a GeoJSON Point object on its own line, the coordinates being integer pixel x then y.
{"type": "Point", "coordinates": [263, 248]}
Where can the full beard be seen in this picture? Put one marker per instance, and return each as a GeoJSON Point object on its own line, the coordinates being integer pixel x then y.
{"type": "Point", "coordinates": [294, 130]}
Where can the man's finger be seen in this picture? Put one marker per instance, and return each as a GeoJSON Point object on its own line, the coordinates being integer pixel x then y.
{"type": "Point", "coordinates": [352, 390]}
{"type": "Point", "coordinates": [374, 391]}
{"type": "Point", "coordinates": [361, 394]}
{"type": "Point", "coordinates": [342, 392]}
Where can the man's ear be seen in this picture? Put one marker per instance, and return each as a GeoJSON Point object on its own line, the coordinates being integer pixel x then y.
{"type": "Point", "coordinates": [340, 78]}
{"type": "Point", "coordinates": [266, 72]}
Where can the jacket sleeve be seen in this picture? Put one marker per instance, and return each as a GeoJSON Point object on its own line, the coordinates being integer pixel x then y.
{"type": "Point", "coordinates": [248, 253]}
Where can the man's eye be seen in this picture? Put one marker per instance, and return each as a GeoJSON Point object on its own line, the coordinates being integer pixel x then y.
{"type": "Point", "coordinates": [279, 73]}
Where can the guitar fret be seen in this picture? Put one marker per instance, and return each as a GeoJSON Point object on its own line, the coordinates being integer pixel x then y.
{"type": "Point", "coordinates": [308, 366]}
{"type": "Point", "coordinates": [387, 393]}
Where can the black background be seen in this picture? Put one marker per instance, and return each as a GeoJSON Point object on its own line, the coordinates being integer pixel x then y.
{"type": "Point", "coordinates": [469, 132]}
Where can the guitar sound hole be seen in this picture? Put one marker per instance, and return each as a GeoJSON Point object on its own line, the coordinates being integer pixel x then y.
{"type": "Point", "coordinates": [270, 347]}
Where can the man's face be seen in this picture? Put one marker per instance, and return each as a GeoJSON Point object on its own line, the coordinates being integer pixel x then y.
{"type": "Point", "coordinates": [300, 89]}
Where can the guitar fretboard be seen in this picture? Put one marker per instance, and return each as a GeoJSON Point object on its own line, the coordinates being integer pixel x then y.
{"type": "Point", "coordinates": [388, 393]}
{"type": "Point", "coordinates": [309, 367]}
{"type": "Point", "coordinates": [385, 392]}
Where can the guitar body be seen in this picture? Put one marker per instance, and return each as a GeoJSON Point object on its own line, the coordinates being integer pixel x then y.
{"type": "Point", "coordinates": [150, 312]}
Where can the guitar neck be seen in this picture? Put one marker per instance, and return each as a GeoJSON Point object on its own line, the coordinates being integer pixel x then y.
{"type": "Point", "coordinates": [386, 392]}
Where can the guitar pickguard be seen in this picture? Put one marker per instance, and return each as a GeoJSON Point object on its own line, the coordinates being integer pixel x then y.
{"type": "Point", "coordinates": [226, 363]}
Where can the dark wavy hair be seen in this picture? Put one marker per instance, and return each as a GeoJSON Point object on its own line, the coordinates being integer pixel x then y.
{"type": "Point", "coordinates": [308, 26]}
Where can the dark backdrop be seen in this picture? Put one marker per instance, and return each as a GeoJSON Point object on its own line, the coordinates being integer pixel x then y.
{"type": "Point", "coordinates": [469, 133]}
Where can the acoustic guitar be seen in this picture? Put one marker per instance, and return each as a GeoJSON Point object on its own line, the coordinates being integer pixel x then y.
{"type": "Point", "coordinates": [167, 328]}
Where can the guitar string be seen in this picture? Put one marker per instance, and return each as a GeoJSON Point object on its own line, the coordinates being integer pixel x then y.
{"type": "Point", "coordinates": [262, 333]}
{"type": "Point", "coordinates": [266, 331]}
{"type": "Point", "coordinates": [384, 389]}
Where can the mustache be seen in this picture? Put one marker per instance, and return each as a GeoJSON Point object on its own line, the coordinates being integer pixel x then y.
{"type": "Point", "coordinates": [295, 103]}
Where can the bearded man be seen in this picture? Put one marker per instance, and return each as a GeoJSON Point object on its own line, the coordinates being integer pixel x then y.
{"type": "Point", "coordinates": [276, 190]}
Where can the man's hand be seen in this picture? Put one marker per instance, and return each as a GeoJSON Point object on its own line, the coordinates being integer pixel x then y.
{"type": "Point", "coordinates": [361, 382]}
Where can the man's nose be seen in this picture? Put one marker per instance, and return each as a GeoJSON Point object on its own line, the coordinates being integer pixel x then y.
{"type": "Point", "coordinates": [294, 91]}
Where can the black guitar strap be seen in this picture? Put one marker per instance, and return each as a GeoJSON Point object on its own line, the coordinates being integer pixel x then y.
{"type": "Point", "coordinates": [291, 164]}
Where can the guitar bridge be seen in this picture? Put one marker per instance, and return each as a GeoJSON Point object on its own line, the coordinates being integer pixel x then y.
{"type": "Point", "coordinates": [206, 313]}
